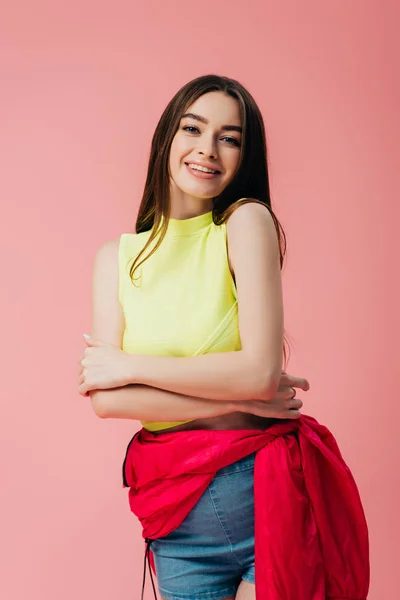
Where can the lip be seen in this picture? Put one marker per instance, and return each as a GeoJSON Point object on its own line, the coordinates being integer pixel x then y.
{"type": "Point", "coordinates": [202, 174]}
{"type": "Point", "coordinates": [202, 164]}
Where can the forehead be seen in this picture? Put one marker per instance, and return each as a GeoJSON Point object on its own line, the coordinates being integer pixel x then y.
{"type": "Point", "coordinates": [217, 108]}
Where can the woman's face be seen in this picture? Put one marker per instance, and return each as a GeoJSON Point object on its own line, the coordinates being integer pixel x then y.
{"type": "Point", "coordinates": [205, 151]}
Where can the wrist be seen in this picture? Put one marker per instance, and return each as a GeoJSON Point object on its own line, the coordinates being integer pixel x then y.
{"type": "Point", "coordinates": [135, 369]}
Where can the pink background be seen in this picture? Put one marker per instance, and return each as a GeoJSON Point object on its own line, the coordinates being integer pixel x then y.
{"type": "Point", "coordinates": [82, 89]}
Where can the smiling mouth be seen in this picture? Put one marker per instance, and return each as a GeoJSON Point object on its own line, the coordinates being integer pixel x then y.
{"type": "Point", "coordinates": [201, 169]}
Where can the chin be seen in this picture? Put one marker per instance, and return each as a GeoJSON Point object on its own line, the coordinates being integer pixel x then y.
{"type": "Point", "coordinates": [201, 196]}
{"type": "Point", "coordinates": [197, 192]}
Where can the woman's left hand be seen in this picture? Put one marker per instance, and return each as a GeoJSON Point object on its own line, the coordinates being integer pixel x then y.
{"type": "Point", "coordinates": [103, 366]}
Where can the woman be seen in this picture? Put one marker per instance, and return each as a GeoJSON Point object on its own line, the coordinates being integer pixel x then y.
{"type": "Point", "coordinates": [168, 305]}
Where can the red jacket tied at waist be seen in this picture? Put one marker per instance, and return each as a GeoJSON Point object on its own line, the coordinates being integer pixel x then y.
{"type": "Point", "coordinates": [311, 538]}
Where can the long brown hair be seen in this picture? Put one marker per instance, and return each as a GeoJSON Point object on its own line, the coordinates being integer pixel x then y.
{"type": "Point", "coordinates": [249, 184]}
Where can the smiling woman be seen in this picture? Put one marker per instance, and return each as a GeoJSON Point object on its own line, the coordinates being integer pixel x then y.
{"type": "Point", "coordinates": [192, 305]}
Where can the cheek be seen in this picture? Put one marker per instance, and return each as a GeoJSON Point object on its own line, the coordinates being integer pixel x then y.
{"type": "Point", "coordinates": [231, 162]}
{"type": "Point", "coordinates": [176, 154]}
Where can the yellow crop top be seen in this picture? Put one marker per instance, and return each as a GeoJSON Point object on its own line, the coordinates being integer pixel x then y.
{"type": "Point", "coordinates": [184, 303]}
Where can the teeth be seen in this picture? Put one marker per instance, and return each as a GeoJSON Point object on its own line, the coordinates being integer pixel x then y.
{"type": "Point", "coordinates": [200, 168]}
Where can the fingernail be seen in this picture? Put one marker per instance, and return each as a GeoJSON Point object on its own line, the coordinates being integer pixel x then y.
{"type": "Point", "coordinates": [87, 336]}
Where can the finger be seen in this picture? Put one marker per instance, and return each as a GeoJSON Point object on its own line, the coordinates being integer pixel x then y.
{"type": "Point", "coordinates": [298, 382]}
{"type": "Point", "coordinates": [84, 389]}
{"type": "Point", "coordinates": [286, 393]}
{"type": "Point", "coordinates": [93, 342]}
{"type": "Point", "coordinates": [295, 404]}
{"type": "Point", "coordinates": [293, 414]}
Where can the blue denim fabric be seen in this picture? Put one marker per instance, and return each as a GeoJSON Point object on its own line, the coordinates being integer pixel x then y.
{"type": "Point", "coordinates": [208, 555]}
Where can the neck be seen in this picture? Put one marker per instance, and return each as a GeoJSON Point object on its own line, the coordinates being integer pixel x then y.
{"type": "Point", "coordinates": [184, 206]}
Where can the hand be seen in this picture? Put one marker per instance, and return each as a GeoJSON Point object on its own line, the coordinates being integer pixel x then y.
{"type": "Point", "coordinates": [284, 405]}
{"type": "Point", "coordinates": [103, 366]}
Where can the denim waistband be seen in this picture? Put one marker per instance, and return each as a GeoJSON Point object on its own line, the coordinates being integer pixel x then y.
{"type": "Point", "coordinates": [240, 465]}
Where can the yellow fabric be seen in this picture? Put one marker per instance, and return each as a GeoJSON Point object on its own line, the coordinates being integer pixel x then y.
{"type": "Point", "coordinates": [184, 303]}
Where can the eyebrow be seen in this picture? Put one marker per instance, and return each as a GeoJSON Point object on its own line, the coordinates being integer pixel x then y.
{"type": "Point", "coordinates": [204, 120]}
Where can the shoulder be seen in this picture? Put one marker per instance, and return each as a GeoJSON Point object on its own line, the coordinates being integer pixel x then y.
{"type": "Point", "coordinates": [111, 249]}
{"type": "Point", "coordinates": [251, 223]}
{"type": "Point", "coordinates": [111, 252]}
{"type": "Point", "coordinates": [249, 216]}
{"type": "Point", "coordinates": [116, 253]}
{"type": "Point", "coordinates": [252, 242]}
{"type": "Point", "coordinates": [108, 251]}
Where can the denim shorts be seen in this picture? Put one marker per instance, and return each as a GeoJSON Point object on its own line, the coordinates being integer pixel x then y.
{"type": "Point", "coordinates": [212, 550]}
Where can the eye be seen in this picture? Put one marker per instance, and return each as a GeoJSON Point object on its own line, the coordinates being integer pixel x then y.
{"type": "Point", "coordinates": [191, 127]}
{"type": "Point", "coordinates": [231, 140]}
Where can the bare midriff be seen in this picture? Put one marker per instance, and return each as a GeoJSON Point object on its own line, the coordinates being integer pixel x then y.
{"type": "Point", "coordinates": [235, 420]}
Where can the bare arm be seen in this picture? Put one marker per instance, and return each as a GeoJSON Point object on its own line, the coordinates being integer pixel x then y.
{"type": "Point", "coordinates": [253, 372]}
{"type": "Point", "coordinates": [151, 404]}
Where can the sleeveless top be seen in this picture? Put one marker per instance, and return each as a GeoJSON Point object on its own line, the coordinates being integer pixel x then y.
{"type": "Point", "coordinates": [183, 300]}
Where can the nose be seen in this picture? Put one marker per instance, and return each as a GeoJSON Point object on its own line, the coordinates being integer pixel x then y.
{"type": "Point", "coordinates": [208, 147]}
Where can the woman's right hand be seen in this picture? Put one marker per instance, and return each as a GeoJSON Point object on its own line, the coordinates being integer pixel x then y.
{"type": "Point", "coordinates": [284, 405]}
